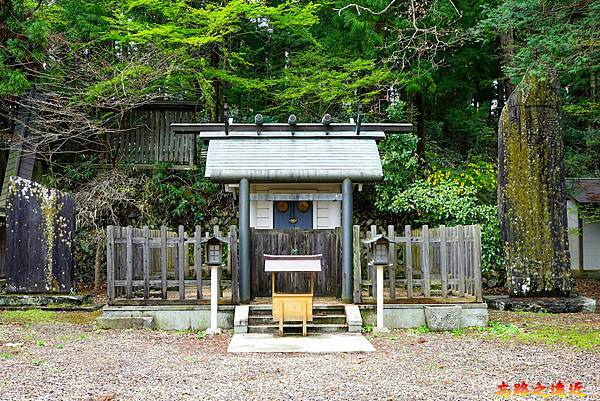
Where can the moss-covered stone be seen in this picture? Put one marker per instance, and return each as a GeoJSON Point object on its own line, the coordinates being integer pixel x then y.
{"type": "Point", "coordinates": [531, 192]}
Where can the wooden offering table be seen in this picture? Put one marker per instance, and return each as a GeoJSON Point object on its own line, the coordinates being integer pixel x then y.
{"type": "Point", "coordinates": [293, 307]}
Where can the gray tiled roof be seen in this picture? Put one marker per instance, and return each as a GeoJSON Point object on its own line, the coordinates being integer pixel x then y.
{"type": "Point", "coordinates": [293, 159]}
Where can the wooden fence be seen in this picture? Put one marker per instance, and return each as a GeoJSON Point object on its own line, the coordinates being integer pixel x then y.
{"type": "Point", "coordinates": [146, 136]}
{"type": "Point", "coordinates": [328, 282]}
{"type": "Point", "coordinates": [428, 263]}
{"type": "Point", "coordinates": [146, 265]}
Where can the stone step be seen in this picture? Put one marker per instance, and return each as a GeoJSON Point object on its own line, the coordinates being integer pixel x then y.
{"type": "Point", "coordinates": [256, 320]}
{"type": "Point", "coordinates": [297, 328]}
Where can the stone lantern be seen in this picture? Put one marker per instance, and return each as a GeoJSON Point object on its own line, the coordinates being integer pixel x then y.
{"type": "Point", "coordinates": [379, 247]}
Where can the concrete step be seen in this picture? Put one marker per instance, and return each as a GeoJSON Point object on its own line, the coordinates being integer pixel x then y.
{"type": "Point", "coordinates": [257, 320]}
{"type": "Point", "coordinates": [297, 328]}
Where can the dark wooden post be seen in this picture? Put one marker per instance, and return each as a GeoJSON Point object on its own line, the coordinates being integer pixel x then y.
{"type": "Point", "coordinates": [357, 269]}
{"type": "Point", "coordinates": [408, 261]}
{"type": "Point", "coordinates": [347, 240]}
{"type": "Point", "coordinates": [392, 257]}
{"type": "Point", "coordinates": [198, 261]}
{"type": "Point", "coordinates": [110, 263]}
{"type": "Point", "coordinates": [129, 288]}
{"type": "Point", "coordinates": [181, 261]}
{"type": "Point", "coordinates": [163, 261]}
{"type": "Point", "coordinates": [244, 229]}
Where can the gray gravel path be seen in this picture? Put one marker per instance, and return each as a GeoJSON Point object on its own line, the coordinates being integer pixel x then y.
{"type": "Point", "coordinates": [72, 362]}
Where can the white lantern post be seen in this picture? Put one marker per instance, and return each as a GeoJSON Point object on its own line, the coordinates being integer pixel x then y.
{"type": "Point", "coordinates": [214, 252]}
{"type": "Point", "coordinates": [380, 252]}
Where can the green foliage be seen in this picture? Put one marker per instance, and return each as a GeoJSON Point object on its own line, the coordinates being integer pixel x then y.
{"type": "Point", "coordinates": [170, 197]}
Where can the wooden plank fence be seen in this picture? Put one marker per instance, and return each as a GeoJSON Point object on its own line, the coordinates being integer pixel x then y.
{"type": "Point", "coordinates": [145, 266]}
{"type": "Point", "coordinates": [146, 137]}
{"type": "Point", "coordinates": [428, 262]}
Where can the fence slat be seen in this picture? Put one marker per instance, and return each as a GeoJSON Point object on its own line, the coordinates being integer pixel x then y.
{"type": "Point", "coordinates": [461, 261]}
{"type": "Point", "coordinates": [163, 261]}
{"type": "Point", "coordinates": [145, 261]}
{"type": "Point", "coordinates": [181, 262]}
{"type": "Point", "coordinates": [372, 268]}
{"type": "Point", "coordinates": [425, 272]}
{"type": "Point", "coordinates": [443, 261]}
{"type": "Point", "coordinates": [110, 265]}
{"type": "Point", "coordinates": [129, 289]}
{"type": "Point", "coordinates": [392, 257]}
{"type": "Point", "coordinates": [198, 261]}
{"type": "Point", "coordinates": [477, 262]}
{"type": "Point", "coordinates": [408, 262]}
{"type": "Point", "coordinates": [357, 293]}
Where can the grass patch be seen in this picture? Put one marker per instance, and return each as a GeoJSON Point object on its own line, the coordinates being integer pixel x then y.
{"type": "Point", "coordinates": [38, 316]}
{"type": "Point", "coordinates": [579, 337]}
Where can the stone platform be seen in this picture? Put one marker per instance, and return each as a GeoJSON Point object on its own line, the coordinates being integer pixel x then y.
{"type": "Point", "coordinates": [549, 305]}
{"type": "Point", "coordinates": [315, 343]}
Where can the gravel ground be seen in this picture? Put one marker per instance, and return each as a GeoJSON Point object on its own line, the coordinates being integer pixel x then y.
{"type": "Point", "coordinates": [62, 361]}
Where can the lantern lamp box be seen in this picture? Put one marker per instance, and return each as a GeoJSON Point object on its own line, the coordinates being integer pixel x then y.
{"type": "Point", "coordinates": [214, 249]}
{"type": "Point", "coordinates": [292, 307]}
{"type": "Point", "coordinates": [380, 245]}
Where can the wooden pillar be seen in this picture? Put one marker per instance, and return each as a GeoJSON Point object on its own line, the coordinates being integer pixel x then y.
{"type": "Point", "coordinates": [347, 280]}
{"type": "Point", "coordinates": [244, 231]}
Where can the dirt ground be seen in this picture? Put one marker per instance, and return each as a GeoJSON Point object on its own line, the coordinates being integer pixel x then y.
{"type": "Point", "coordinates": [61, 356]}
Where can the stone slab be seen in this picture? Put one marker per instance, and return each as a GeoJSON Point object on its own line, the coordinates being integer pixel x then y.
{"type": "Point", "coordinates": [240, 319]}
{"type": "Point", "coordinates": [33, 300]}
{"type": "Point", "coordinates": [353, 318]}
{"type": "Point", "coordinates": [121, 323]}
{"type": "Point", "coordinates": [443, 318]}
{"type": "Point", "coordinates": [548, 305]}
{"type": "Point", "coordinates": [317, 343]}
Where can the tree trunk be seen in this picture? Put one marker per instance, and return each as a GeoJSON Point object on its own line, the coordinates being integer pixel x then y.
{"type": "Point", "coordinates": [531, 191]}
{"type": "Point", "coordinates": [420, 105]}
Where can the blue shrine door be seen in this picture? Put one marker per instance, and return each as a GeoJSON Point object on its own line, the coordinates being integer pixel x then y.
{"type": "Point", "coordinates": [293, 214]}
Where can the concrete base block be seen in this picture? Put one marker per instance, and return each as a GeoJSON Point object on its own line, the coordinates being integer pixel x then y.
{"type": "Point", "coordinates": [121, 323]}
{"type": "Point", "coordinates": [353, 318]}
{"type": "Point", "coordinates": [175, 317]}
{"type": "Point", "coordinates": [380, 330]}
{"type": "Point", "coordinates": [411, 316]}
{"type": "Point", "coordinates": [212, 332]}
{"type": "Point", "coordinates": [443, 318]}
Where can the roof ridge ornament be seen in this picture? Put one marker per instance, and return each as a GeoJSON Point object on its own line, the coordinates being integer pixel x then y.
{"type": "Point", "coordinates": [359, 119]}
{"type": "Point", "coordinates": [226, 118]}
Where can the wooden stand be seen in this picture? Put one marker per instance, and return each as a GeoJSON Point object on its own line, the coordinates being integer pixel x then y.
{"type": "Point", "coordinates": [293, 307]}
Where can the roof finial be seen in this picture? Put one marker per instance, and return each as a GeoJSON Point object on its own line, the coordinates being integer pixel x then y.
{"type": "Point", "coordinates": [292, 119]}
{"type": "Point", "coordinates": [226, 118]}
{"type": "Point", "coordinates": [358, 119]}
{"type": "Point", "coordinates": [326, 120]}
{"type": "Point", "coordinates": [258, 119]}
